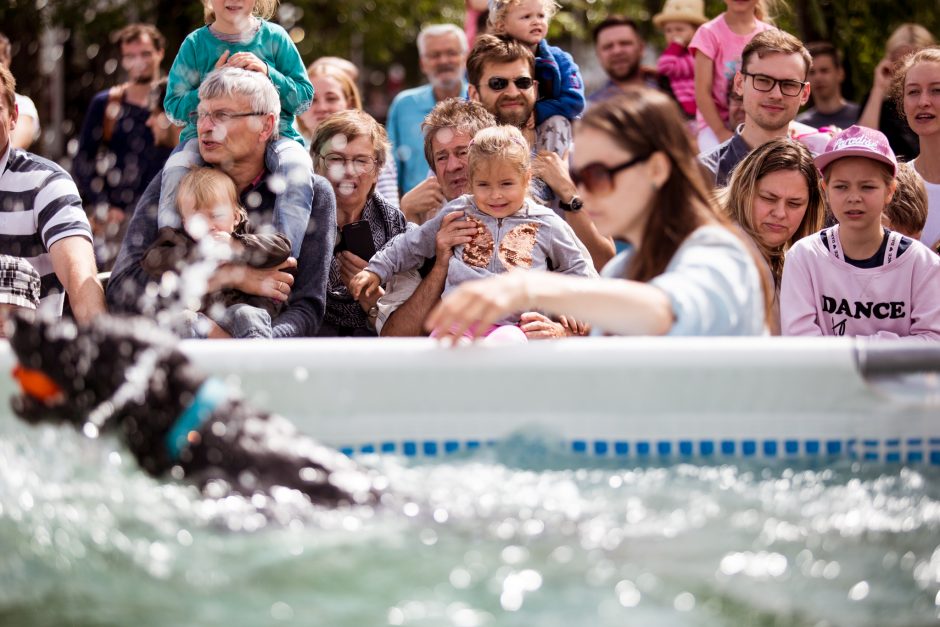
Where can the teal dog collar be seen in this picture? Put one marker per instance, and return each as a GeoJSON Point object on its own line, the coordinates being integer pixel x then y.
{"type": "Point", "coordinates": [212, 393]}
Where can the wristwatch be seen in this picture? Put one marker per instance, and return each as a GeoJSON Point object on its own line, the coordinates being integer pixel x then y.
{"type": "Point", "coordinates": [574, 204]}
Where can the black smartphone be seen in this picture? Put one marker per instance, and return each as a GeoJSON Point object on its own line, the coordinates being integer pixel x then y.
{"type": "Point", "coordinates": [357, 239]}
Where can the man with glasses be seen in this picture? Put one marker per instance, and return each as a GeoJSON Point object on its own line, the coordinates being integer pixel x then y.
{"type": "Point", "coordinates": [116, 155]}
{"type": "Point", "coordinates": [443, 54]}
{"type": "Point", "coordinates": [238, 115]}
{"type": "Point", "coordinates": [773, 83]}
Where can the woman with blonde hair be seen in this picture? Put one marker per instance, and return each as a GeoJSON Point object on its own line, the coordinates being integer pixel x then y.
{"type": "Point", "coordinates": [333, 91]}
{"type": "Point", "coordinates": [775, 197]}
{"type": "Point", "coordinates": [916, 96]}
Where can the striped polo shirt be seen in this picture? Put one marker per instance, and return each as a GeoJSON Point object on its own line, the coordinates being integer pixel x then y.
{"type": "Point", "coordinates": [39, 205]}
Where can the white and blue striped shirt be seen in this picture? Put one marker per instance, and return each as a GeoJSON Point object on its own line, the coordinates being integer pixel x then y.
{"type": "Point", "coordinates": [39, 205]}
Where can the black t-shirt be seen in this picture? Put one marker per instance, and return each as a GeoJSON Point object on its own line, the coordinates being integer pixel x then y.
{"type": "Point", "coordinates": [878, 259]}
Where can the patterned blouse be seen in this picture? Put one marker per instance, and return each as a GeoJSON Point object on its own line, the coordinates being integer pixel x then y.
{"type": "Point", "coordinates": [344, 316]}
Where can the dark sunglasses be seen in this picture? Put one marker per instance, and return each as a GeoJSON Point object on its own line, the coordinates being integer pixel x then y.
{"type": "Point", "coordinates": [498, 83]}
{"type": "Point", "coordinates": [598, 178]}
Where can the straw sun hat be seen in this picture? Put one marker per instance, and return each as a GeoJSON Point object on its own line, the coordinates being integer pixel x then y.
{"type": "Point", "coordinates": [692, 11]}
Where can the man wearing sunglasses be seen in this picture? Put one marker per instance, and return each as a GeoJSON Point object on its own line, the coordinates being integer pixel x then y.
{"type": "Point", "coordinates": [237, 117]}
{"type": "Point", "coordinates": [500, 71]}
{"type": "Point", "coordinates": [773, 83]}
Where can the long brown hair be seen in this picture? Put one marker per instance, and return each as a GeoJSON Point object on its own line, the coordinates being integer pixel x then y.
{"type": "Point", "coordinates": [738, 198]}
{"type": "Point", "coordinates": [642, 122]}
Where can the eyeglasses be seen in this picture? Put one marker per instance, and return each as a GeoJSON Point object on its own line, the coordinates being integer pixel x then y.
{"type": "Point", "coordinates": [498, 83]}
{"type": "Point", "coordinates": [361, 165]}
{"type": "Point", "coordinates": [598, 178]}
{"type": "Point", "coordinates": [220, 117]}
{"type": "Point", "coordinates": [788, 87]}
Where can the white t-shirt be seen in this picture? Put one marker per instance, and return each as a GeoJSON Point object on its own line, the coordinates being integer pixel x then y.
{"type": "Point", "coordinates": [28, 108]}
{"type": "Point", "coordinates": [931, 232]}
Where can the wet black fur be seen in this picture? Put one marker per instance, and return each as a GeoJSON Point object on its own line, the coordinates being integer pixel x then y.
{"type": "Point", "coordinates": [250, 449]}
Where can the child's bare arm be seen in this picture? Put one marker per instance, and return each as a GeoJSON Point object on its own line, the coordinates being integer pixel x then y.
{"type": "Point", "coordinates": [364, 285]}
{"type": "Point", "coordinates": [704, 79]}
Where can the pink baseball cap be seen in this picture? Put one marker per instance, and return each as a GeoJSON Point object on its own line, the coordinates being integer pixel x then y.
{"type": "Point", "coordinates": [858, 141]}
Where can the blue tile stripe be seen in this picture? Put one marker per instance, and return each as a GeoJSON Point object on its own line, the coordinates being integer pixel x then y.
{"type": "Point", "coordinates": [891, 450]}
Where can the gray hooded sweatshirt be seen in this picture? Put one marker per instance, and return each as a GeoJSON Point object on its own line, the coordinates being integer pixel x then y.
{"type": "Point", "coordinates": [534, 237]}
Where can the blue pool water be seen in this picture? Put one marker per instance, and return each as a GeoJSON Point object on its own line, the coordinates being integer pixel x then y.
{"type": "Point", "coordinates": [523, 533]}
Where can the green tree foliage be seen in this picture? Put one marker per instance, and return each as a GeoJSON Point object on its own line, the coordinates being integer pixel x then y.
{"type": "Point", "coordinates": [378, 33]}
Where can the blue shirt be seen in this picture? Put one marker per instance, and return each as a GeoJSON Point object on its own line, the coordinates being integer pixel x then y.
{"type": "Point", "coordinates": [408, 110]}
{"type": "Point", "coordinates": [712, 283]}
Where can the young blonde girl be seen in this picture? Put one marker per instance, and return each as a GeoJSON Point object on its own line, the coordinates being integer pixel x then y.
{"type": "Point", "coordinates": [513, 232]}
{"type": "Point", "coordinates": [717, 47]}
{"type": "Point", "coordinates": [857, 278]}
{"type": "Point", "coordinates": [240, 35]}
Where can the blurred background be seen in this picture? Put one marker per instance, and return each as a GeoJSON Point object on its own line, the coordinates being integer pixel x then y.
{"type": "Point", "coordinates": [63, 52]}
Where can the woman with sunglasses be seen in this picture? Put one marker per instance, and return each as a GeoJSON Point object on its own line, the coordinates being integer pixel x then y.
{"type": "Point", "coordinates": [349, 149]}
{"type": "Point", "coordinates": [685, 272]}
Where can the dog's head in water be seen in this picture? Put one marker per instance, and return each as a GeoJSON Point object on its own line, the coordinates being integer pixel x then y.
{"type": "Point", "coordinates": [66, 372]}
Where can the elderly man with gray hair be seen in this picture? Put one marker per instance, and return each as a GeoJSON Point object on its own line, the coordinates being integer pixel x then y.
{"type": "Point", "coordinates": [443, 54]}
{"type": "Point", "coordinates": [237, 117]}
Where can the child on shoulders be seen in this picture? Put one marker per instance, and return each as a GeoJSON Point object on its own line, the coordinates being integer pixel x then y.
{"type": "Point", "coordinates": [209, 209]}
{"type": "Point", "coordinates": [858, 278]}
{"type": "Point", "coordinates": [717, 46]}
{"type": "Point", "coordinates": [240, 35]}
{"type": "Point", "coordinates": [561, 88]}
{"type": "Point", "coordinates": [679, 20]}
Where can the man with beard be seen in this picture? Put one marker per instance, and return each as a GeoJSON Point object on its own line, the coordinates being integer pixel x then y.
{"type": "Point", "coordinates": [443, 53]}
{"type": "Point", "coordinates": [773, 83]}
{"type": "Point", "coordinates": [619, 48]}
{"type": "Point", "coordinates": [500, 72]}
{"type": "Point", "coordinates": [116, 155]}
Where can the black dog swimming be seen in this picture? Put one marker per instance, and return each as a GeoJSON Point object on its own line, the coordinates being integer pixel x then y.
{"type": "Point", "coordinates": [126, 374]}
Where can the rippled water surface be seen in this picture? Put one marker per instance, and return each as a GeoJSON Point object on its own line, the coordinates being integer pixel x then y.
{"type": "Point", "coordinates": [518, 535]}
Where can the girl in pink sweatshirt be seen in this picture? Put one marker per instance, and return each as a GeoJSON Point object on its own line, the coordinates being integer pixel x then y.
{"type": "Point", "coordinates": [857, 278]}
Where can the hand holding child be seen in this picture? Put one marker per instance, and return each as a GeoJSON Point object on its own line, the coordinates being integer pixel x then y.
{"type": "Point", "coordinates": [454, 231]}
{"type": "Point", "coordinates": [248, 61]}
{"type": "Point", "coordinates": [222, 60]}
{"type": "Point", "coordinates": [553, 169]}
